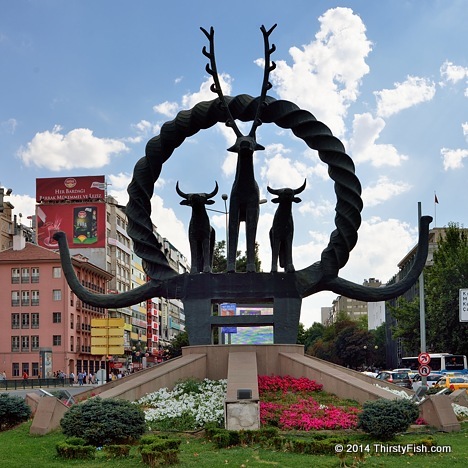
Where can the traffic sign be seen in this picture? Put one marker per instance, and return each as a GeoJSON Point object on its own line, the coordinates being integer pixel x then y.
{"type": "Point", "coordinates": [424, 359]}
{"type": "Point", "coordinates": [424, 371]}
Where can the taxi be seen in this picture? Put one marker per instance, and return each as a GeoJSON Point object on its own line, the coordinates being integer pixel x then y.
{"type": "Point", "coordinates": [453, 382]}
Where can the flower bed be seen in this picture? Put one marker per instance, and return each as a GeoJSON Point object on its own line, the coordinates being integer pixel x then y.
{"type": "Point", "coordinates": [286, 403]}
{"type": "Point", "coordinates": [189, 406]}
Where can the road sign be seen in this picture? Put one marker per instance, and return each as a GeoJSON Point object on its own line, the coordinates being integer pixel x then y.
{"type": "Point", "coordinates": [424, 371]}
{"type": "Point", "coordinates": [424, 359]}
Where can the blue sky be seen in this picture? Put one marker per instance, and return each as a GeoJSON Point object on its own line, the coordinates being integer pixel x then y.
{"type": "Point", "coordinates": [86, 84]}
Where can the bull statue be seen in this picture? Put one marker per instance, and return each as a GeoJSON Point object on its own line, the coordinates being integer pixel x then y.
{"type": "Point", "coordinates": [282, 231]}
{"type": "Point", "coordinates": [201, 234]}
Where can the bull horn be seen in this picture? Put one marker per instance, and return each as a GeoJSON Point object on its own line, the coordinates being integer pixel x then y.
{"type": "Point", "coordinates": [213, 193]}
{"type": "Point", "coordinates": [182, 194]}
{"type": "Point", "coordinates": [273, 191]}
{"type": "Point", "coordinates": [106, 301]}
{"type": "Point", "coordinates": [301, 188]}
{"type": "Point", "coordinates": [363, 293]}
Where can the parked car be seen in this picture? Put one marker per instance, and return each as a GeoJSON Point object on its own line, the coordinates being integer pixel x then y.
{"type": "Point", "coordinates": [401, 378]}
{"type": "Point", "coordinates": [452, 382]}
{"type": "Point", "coordinates": [431, 380]}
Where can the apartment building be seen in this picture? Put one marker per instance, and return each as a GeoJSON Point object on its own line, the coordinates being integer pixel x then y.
{"type": "Point", "coordinates": [45, 327]}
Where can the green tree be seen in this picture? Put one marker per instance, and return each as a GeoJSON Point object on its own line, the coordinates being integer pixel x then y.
{"type": "Point", "coordinates": [177, 343]}
{"type": "Point", "coordinates": [308, 337]}
{"type": "Point", "coordinates": [407, 328]}
{"type": "Point", "coordinates": [448, 274]}
{"type": "Point", "coordinates": [220, 261]}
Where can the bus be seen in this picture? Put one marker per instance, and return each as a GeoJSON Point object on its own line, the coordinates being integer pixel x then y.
{"type": "Point", "coordinates": [440, 362]}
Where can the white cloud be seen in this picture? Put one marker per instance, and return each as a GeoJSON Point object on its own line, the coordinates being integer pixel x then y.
{"type": "Point", "coordinates": [205, 94]}
{"type": "Point", "coordinates": [451, 73]}
{"type": "Point", "coordinates": [326, 73]}
{"type": "Point", "coordinates": [404, 95]}
{"type": "Point", "coordinates": [9, 126]}
{"type": "Point", "coordinates": [23, 204]}
{"type": "Point", "coordinates": [317, 210]}
{"type": "Point", "coordinates": [453, 158]}
{"type": "Point", "coordinates": [280, 172]}
{"type": "Point", "coordinates": [166, 108]}
{"type": "Point", "coordinates": [363, 147]}
{"type": "Point", "coordinates": [78, 148]}
{"type": "Point", "coordinates": [383, 190]}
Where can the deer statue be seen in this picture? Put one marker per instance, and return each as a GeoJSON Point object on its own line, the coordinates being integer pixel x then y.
{"type": "Point", "coordinates": [282, 230]}
{"type": "Point", "coordinates": [245, 194]}
{"type": "Point", "coordinates": [201, 234]}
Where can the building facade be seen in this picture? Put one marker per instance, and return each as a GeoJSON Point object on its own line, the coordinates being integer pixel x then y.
{"type": "Point", "coordinates": [42, 317]}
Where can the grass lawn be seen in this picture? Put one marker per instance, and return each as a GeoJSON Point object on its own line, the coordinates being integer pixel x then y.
{"type": "Point", "coordinates": [19, 449]}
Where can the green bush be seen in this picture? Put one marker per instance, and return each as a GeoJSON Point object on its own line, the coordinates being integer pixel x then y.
{"type": "Point", "coordinates": [13, 411]}
{"type": "Point", "coordinates": [160, 451]}
{"type": "Point", "coordinates": [104, 422]}
{"type": "Point", "coordinates": [383, 419]}
{"type": "Point", "coordinates": [115, 451]}
{"type": "Point", "coordinates": [73, 451]}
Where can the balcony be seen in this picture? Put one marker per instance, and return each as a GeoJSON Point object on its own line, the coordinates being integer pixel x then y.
{"type": "Point", "coordinates": [35, 279]}
{"type": "Point", "coordinates": [15, 279]}
{"type": "Point", "coordinates": [34, 302]}
{"type": "Point", "coordinates": [15, 302]}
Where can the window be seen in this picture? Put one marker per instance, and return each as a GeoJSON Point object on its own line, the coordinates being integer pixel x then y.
{"type": "Point", "coordinates": [25, 344]}
{"type": "Point", "coordinates": [24, 320]}
{"type": "Point", "coordinates": [15, 344]}
{"type": "Point", "coordinates": [15, 301]}
{"type": "Point", "coordinates": [15, 275]}
{"type": "Point", "coordinates": [57, 317]}
{"type": "Point", "coordinates": [15, 320]}
{"type": "Point", "coordinates": [25, 275]}
{"type": "Point", "coordinates": [25, 367]}
{"type": "Point", "coordinates": [35, 369]}
{"type": "Point", "coordinates": [57, 340]}
{"type": "Point", "coordinates": [72, 321]}
{"type": "Point", "coordinates": [15, 369]}
{"type": "Point", "coordinates": [71, 343]}
{"type": "Point", "coordinates": [35, 320]}
{"type": "Point", "coordinates": [24, 298]}
{"type": "Point", "coordinates": [35, 275]}
{"type": "Point", "coordinates": [34, 343]}
{"type": "Point", "coordinates": [57, 294]}
{"type": "Point", "coordinates": [34, 298]}
{"type": "Point", "coordinates": [57, 272]}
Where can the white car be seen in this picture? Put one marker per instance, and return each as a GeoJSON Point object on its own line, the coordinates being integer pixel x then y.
{"type": "Point", "coordinates": [431, 380]}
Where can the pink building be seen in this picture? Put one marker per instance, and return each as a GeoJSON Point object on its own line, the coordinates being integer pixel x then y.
{"type": "Point", "coordinates": [45, 328]}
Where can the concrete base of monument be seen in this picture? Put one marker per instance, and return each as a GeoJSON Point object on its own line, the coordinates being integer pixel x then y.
{"type": "Point", "coordinates": [212, 362]}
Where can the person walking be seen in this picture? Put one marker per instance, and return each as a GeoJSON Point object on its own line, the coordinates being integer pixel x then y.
{"type": "Point", "coordinates": [80, 378]}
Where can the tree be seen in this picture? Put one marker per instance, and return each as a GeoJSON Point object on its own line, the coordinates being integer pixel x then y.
{"type": "Point", "coordinates": [310, 336]}
{"type": "Point", "coordinates": [177, 343]}
{"type": "Point", "coordinates": [220, 261]}
{"type": "Point", "coordinates": [448, 274]}
{"type": "Point", "coordinates": [407, 328]}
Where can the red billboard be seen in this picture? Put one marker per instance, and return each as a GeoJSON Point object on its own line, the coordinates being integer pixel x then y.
{"type": "Point", "coordinates": [83, 223]}
{"type": "Point", "coordinates": [78, 189]}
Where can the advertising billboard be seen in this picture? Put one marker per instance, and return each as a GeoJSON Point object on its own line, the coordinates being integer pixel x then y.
{"type": "Point", "coordinates": [83, 223]}
{"type": "Point", "coordinates": [84, 188]}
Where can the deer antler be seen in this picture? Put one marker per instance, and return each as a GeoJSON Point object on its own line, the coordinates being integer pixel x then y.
{"type": "Point", "coordinates": [266, 85]}
{"type": "Point", "coordinates": [212, 69]}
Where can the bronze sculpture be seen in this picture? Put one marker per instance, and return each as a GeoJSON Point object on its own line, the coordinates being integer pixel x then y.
{"type": "Point", "coordinates": [284, 290]}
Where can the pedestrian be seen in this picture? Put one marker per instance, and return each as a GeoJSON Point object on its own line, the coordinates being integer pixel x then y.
{"type": "Point", "coordinates": [3, 376]}
{"type": "Point", "coordinates": [72, 378]}
{"type": "Point", "coordinates": [80, 378]}
{"type": "Point", "coordinates": [25, 376]}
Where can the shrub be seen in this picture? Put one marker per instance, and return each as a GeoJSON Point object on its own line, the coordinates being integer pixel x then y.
{"type": "Point", "coordinates": [383, 419]}
{"type": "Point", "coordinates": [160, 451]}
{"type": "Point", "coordinates": [13, 411]}
{"type": "Point", "coordinates": [115, 451]}
{"type": "Point", "coordinates": [104, 422]}
{"type": "Point", "coordinates": [74, 450]}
